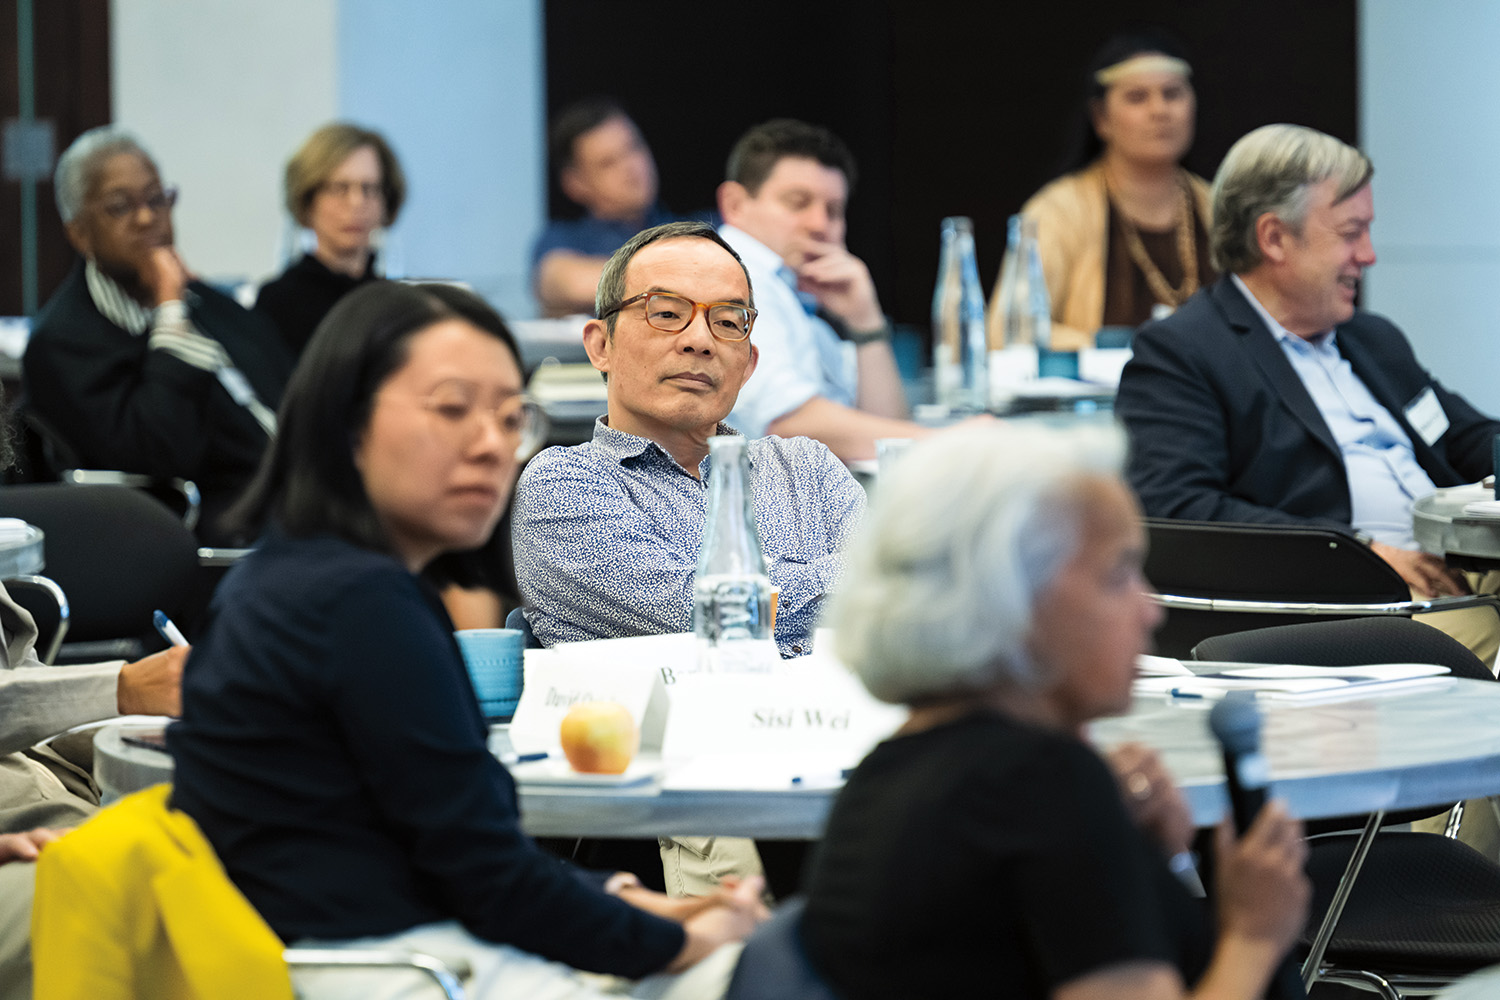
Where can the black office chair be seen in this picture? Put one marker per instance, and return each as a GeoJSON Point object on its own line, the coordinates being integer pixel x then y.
{"type": "Point", "coordinates": [45, 456]}
{"type": "Point", "coordinates": [1418, 910]}
{"type": "Point", "coordinates": [774, 965]}
{"type": "Point", "coordinates": [118, 555]}
{"type": "Point", "coordinates": [1216, 577]}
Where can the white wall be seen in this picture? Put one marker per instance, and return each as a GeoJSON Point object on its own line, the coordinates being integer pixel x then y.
{"type": "Point", "coordinates": [1429, 83]}
{"type": "Point", "coordinates": [223, 91]}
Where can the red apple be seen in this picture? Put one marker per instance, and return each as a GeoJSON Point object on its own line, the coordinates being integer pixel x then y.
{"type": "Point", "coordinates": [599, 737]}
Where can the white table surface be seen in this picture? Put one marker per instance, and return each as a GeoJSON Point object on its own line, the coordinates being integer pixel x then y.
{"type": "Point", "coordinates": [1428, 746]}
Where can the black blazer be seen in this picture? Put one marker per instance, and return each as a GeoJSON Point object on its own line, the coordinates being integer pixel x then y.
{"type": "Point", "coordinates": [1222, 429]}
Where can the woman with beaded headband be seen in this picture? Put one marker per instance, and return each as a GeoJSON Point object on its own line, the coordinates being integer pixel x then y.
{"type": "Point", "coordinates": [1123, 234]}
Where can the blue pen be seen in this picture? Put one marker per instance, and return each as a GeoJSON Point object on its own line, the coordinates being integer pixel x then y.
{"type": "Point", "coordinates": [1180, 693]}
{"type": "Point", "coordinates": [523, 758]}
{"type": "Point", "coordinates": [168, 630]}
{"type": "Point", "coordinates": [823, 779]}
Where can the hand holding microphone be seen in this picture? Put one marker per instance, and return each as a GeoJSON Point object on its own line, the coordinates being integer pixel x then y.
{"type": "Point", "coordinates": [1262, 889]}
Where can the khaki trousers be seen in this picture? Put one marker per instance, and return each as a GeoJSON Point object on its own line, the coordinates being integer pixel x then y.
{"type": "Point", "coordinates": [694, 866]}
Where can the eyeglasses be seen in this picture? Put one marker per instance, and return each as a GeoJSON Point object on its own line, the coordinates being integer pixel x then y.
{"type": "Point", "coordinates": [122, 205]}
{"type": "Point", "coordinates": [462, 416]}
{"type": "Point", "coordinates": [342, 189]}
{"type": "Point", "coordinates": [672, 313]}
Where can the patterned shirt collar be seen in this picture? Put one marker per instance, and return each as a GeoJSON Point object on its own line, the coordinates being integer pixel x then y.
{"type": "Point", "coordinates": [114, 303]}
{"type": "Point", "coordinates": [621, 447]}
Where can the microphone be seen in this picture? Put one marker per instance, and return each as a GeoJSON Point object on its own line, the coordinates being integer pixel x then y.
{"type": "Point", "coordinates": [1235, 723]}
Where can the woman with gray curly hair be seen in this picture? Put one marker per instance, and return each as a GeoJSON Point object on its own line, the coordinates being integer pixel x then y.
{"type": "Point", "coordinates": [997, 590]}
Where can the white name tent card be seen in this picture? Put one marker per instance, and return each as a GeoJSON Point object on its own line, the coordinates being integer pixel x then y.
{"type": "Point", "coordinates": [809, 705]}
{"type": "Point", "coordinates": [555, 683]}
{"type": "Point", "coordinates": [814, 706]}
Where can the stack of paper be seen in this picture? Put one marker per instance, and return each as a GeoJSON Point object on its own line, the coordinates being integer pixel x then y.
{"type": "Point", "coordinates": [1293, 682]}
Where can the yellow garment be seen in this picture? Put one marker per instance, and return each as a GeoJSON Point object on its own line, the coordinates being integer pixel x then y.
{"type": "Point", "coordinates": [134, 903]}
{"type": "Point", "coordinates": [1072, 235]}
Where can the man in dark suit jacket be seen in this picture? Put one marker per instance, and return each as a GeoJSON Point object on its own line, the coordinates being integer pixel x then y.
{"type": "Point", "coordinates": [1269, 397]}
{"type": "Point", "coordinates": [133, 364]}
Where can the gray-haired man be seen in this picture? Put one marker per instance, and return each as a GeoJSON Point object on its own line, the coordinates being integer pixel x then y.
{"type": "Point", "coordinates": [1271, 398]}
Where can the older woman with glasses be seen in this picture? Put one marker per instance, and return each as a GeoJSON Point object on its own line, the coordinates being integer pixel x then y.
{"type": "Point", "coordinates": [331, 747]}
{"type": "Point", "coordinates": [346, 185]}
{"type": "Point", "coordinates": [997, 591]}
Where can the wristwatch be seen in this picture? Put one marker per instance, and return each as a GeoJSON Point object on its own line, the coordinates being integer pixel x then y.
{"type": "Point", "coordinates": [881, 332]}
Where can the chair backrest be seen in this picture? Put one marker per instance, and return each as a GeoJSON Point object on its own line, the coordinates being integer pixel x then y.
{"type": "Point", "coordinates": [1348, 643]}
{"type": "Point", "coordinates": [516, 619]}
{"type": "Point", "coordinates": [1290, 564]}
{"type": "Point", "coordinates": [1257, 561]}
{"type": "Point", "coordinates": [774, 965]}
{"type": "Point", "coordinates": [117, 553]}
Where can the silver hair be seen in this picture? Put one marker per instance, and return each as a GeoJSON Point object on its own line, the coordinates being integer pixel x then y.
{"type": "Point", "coordinates": [969, 528]}
{"type": "Point", "coordinates": [81, 161]}
{"type": "Point", "coordinates": [1273, 169]}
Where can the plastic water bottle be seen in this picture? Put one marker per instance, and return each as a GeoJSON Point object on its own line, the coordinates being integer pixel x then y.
{"type": "Point", "coordinates": [960, 351]}
{"type": "Point", "coordinates": [731, 591]}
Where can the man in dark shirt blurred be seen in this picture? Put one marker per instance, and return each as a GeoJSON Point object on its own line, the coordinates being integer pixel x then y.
{"type": "Point", "coordinates": [604, 165]}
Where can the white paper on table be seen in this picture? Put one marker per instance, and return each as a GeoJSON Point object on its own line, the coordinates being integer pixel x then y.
{"type": "Point", "coordinates": [1147, 665]}
{"type": "Point", "coordinates": [1102, 365]}
{"type": "Point", "coordinates": [1294, 682]}
{"type": "Point", "coordinates": [1482, 508]}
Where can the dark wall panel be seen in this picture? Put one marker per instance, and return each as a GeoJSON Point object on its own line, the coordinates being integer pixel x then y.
{"type": "Point", "coordinates": [71, 58]}
{"type": "Point", "coordinates": [953, 108]}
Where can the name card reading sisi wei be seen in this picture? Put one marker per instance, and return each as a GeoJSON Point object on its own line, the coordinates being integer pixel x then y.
{"type": "Point", "coordinates": [810, 704]}
{"type": "Point", "coordinates": [813, 707]}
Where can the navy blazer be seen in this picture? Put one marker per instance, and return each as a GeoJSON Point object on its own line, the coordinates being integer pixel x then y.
{"type": "Point", "coordinates": [1222, 429]}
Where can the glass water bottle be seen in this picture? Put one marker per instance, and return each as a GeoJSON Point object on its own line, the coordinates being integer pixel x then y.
{"type": "Point", "coordinates": [960, 355]}
{"type": "Point", "coordinates": [731, 592]}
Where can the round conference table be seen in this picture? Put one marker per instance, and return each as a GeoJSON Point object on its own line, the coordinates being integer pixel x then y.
{"type": "Point", "coordinates": [21, 551]}
{"type": "Point", "coordinates": [1430, 745]}
{"type": "Point", "coordinates": [1441, 527]}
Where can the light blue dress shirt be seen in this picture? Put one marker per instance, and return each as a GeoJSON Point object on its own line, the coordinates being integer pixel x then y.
{"type": "Point", "coordinates": [606, 535]}
{"type": "Point", "coordinates": [800, 354]}
{"type": "Point", "coordinates": [1384, 474]}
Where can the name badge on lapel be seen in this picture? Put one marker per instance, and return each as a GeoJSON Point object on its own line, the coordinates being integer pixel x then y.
{"type": "Point", "coordinates": [1426, 416]}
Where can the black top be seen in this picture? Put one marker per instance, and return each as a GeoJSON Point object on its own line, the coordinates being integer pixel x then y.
{"type": "Point", "coordinates": [983, 852]}
{"type": "Point", "coordinates": [333, 753]}
{"type": "Point", "coordinates": [296, 302]}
